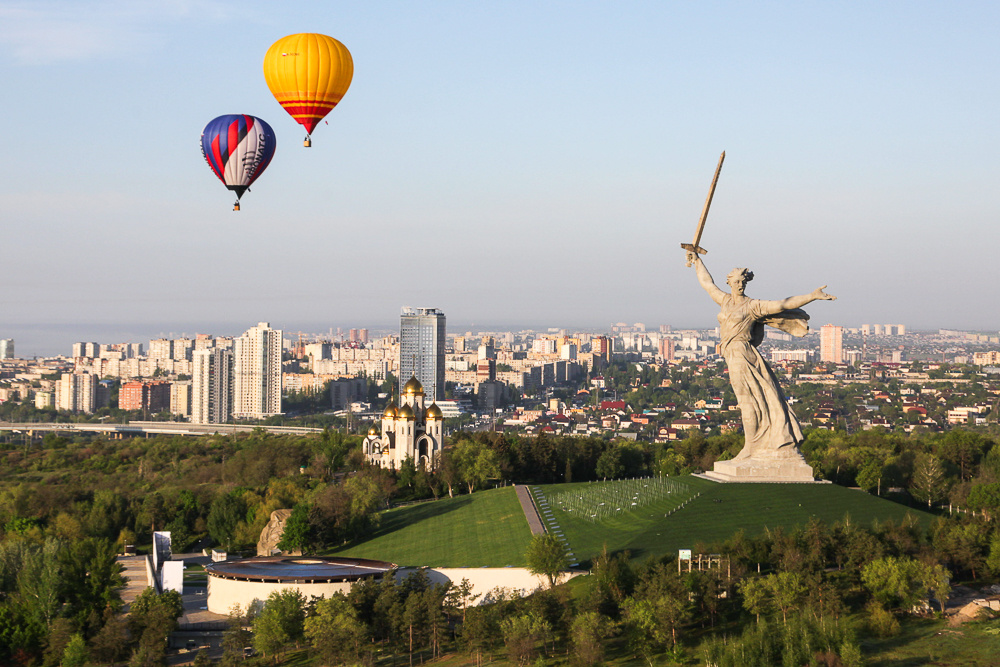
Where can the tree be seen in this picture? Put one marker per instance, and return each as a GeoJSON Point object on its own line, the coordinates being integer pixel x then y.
{"type": "Point", "coordinates": [587, 633]}
{"type": "Point", "coordinates": [546, 556]}
{"type": "Point", "coordinates": [298, 530]}
{"type": "Point", "coordinates": [414, 620]}
{"type": "Point", "coordinates": [985, 498]}
{"type": "Point", "coordinates": [92, 580]}
{"type": "Point", "coordinates": [460, 596]}
{"type": "Point", "coordinates": [785, 589]}
{"type": "Point", "coordinates": [610, 464]}
{"type": "Point", "coordinates": [476, 463]}
{"type": "Point", "coordinates": [75, 654]}
{"type": "Point", "coordinates": [225, 515]}
{"type": "Point", "coordinates": [655, 613]}
{"type": "Point", "coordinates": [646, 631]}
{"type": "Point", "coordinates": [236, 637]}
{"type": "Point", "coordinates": [334, 632]}
{"type": "Point", "coordinates": [437, 621]}
{"type": "Point", "coordinates": [280, 622]}
{"type": "Point", "coordinates": [928, 479]}
{"type": "Point", "coordinates": [615, 581]}
{"type": "Point", "coordinates": [755, 596]}
{"type": "Point", "coordinates": [993, 559]}
{"type": "Point", "coordinates": [521, 636]}
{"type": "Point", "coordinates": [481, 629]}
{"type": "Point", "coordinates": [900, 583]}
{"type": "Point", "coordinates": [152, 617]}
{"type": "Point", "coordinates": [448, 470]}
{"type": "Point", "coordinates": [110, 644]}
{"type": "Point", "coordinates": [870, 476]}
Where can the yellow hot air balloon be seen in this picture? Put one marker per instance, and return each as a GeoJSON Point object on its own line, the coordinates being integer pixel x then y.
{"type": "Point", "coordinates": [308, 74]}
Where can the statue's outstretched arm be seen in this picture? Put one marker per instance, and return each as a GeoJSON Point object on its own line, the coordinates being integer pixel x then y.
{"type": "Point", "coordinates": [705, 278]}
{"type": "Point", "coordinates": [798, 301]}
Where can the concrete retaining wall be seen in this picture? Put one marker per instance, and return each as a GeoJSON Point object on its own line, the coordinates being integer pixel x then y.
{"type": "Point", "coordinates": [224, 593]}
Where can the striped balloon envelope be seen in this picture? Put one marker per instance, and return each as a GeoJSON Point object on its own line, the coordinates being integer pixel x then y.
{"type": "Point", "coordinates": [238, 148]}
{"type": "Point", "coordinates": [308, 74]}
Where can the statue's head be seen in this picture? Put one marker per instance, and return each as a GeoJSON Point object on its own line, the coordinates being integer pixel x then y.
{"type": "Point", "coordinates": [738, 279]}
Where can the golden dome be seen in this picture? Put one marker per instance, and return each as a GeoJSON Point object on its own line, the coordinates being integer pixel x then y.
{"type": "Point", "coordinates": [434, 412]}
{"type": "Point", "coordinates": [406, 412]}
{"type": "Point", "coordinates": [390, 410]}
{"type": "Point", "coordinates": [371, 431]}
{"type": "Point", "coordinates": [413, 387]}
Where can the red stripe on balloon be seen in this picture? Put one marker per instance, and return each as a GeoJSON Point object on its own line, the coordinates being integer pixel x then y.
{"type": "Point", "coordinates": [216, 163]}
{"type": "Point", "coordinates": [234, 137]}
{"type": "Point", "coordinates": [301, 107]}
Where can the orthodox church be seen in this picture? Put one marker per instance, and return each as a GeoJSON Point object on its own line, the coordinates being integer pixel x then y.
{"type": "Point", "coordinates": [408, 431]}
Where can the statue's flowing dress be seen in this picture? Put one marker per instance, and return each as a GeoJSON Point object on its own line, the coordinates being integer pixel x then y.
{"type": "Point", "coordinates": [770, 427]}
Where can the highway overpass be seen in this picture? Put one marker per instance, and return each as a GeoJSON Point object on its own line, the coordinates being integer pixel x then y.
{"type": "Point", "coordinates": [141, 428]}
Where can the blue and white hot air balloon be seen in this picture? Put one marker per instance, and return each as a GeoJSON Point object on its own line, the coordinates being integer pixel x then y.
{"type": "Point", "coordinates": [238, 148]}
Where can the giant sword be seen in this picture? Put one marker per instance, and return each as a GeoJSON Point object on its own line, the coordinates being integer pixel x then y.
{"type": "Point", "coordinates": [694, 247]}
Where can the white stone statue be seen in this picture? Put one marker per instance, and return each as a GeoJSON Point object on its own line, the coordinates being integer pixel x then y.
{"type": "Point", "coordinates": [772, 432]}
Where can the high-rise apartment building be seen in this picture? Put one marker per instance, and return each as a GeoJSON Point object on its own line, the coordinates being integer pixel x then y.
{"type": "Point", "coordinates": [6, 348]}
{"type": "Point", "coordinates": [666, 349]}
{"type": "Point", "coordinates": [257, 373]}
{"type": "Point", "coordinates": [421, 350]}
{"type": "Point", "coordinates": [161, 348]}
{"type": "Point", "coordinates": [89, 350]}
{"type": "Point", "coordinates": [150, 396]}
{"type": "Point", "coordinates": [180, 397]}
{"type": "Point", "coordinates": [76, 392]}
{"type": "Point", "coordinates": [211, 386]}
{"type": "Point", "coordinates": [182, 349]}
{"type": "Point", "coordinates": [831, 343]}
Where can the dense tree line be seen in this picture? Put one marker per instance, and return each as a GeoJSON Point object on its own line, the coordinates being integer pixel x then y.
{"type": "Point", "coordinates": [67, 505]}
{"type": "Point", "coordinates": [803, 596]}
{"type": "Point", "coordinates": [225, 488]}
{"type": "Point", "coordinates": [54, 592]}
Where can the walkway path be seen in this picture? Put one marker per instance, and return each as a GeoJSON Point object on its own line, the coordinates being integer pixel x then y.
{"type": "Point", "coordinates": [537, 522]}
{"type": "Point", "coordinates": [134, 571]}
{"type": "Point", "coordinates": [530, 511]}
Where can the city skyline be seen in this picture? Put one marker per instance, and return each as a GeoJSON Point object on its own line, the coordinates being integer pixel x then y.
{"type": "Point", "coordinates": [59, 341]}
{"type": "Point", "coordinates": [553, 157]}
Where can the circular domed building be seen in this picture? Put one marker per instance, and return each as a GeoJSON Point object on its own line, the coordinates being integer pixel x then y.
{"type": "Point", "coordinates": [241, 581]}
{"type": "Point", "coordinates": [408, 431]}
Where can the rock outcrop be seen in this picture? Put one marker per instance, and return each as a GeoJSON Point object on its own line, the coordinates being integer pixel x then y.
{"type": "Point", "coordinates": [267, 545]}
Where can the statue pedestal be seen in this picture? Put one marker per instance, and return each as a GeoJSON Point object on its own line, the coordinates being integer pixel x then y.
{"type": "Point", "coordinates": [762, 470]}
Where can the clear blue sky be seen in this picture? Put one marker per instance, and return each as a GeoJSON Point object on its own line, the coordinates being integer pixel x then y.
{"type": "Point", "coordinates": [514, 162]}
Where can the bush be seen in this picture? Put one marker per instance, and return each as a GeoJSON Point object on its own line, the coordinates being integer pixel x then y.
{"type": "Point", "coordinates": [881, 622]}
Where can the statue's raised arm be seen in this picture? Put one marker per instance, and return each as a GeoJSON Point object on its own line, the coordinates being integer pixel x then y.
{"type": "Point", "coordinates": [705, 278]}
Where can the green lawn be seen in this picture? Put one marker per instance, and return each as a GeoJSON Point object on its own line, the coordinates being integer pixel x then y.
{"type": "Point", "coordinates": [486, 528]}
{"type": "Point", "coordinates": [934, 642]}
{"type": "Point", "coordinates": [718, 512]}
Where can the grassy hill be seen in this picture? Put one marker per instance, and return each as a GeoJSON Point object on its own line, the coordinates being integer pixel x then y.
{"type": "Point", "coordinates": [712, 512]}
{"type": "Point", "coordinates": [489, 529]}
{"type": "Point", "coordinates": [486, 528]}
